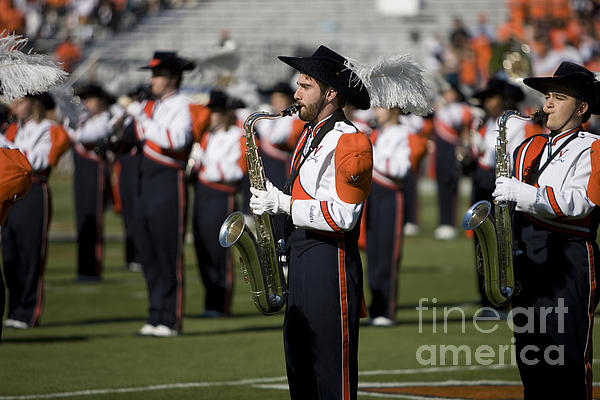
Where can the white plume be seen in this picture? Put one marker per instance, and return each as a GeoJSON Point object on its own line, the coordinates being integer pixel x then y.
{"type": "Point", "coordinates": [24, 73]}
{"type": "Point", "coordinates": [396, 81]}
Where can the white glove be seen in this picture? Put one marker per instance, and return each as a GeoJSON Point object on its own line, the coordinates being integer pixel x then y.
{"type": "Point", "coordinates": [271, 201]}
{"type": "Point", "coordinates": [136, 110]}
{"type": "Point", "coordinates": [197, 153]}
{"type": "Point", "coordinates": [511, 189]}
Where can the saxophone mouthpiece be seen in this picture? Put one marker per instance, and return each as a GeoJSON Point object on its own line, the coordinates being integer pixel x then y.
{"type": "Point", "coordinates": [291, 110]}
{"type": "Point", "coordinates": [540, 117]}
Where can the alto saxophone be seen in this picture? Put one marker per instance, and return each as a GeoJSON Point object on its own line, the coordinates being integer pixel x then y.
{"type": "Point", "coordinates": [495, 248]}
{"type": "Point", "coordinates": [258, 257]}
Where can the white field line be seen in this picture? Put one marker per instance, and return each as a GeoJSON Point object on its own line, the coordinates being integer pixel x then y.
{"type": "Point", "coordinates": [265, 383]}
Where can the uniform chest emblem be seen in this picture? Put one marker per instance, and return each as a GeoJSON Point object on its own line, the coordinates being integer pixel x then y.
{"type": "Point", "coordinates": [560, 158]}
{"type": "Point", "coordinates": [314, 156]}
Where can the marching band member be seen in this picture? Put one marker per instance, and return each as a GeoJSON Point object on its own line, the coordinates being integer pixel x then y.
{"type": "Point", "coordinates": [164, 126]}
{"type": "Point", "coordinates": [16, 81]}
{"type": "Point", "coordinates": [422, 128]}
{"type": "Point", "coordinates": [395, 151]}
{"type": "Point", "coordinates": [221, 165]}
{"type": "Point", "coordinates": [330, 179]}
{"type": "Point", "coordinates": [91, 178]}
{"type": "Point", "coordinates": [25, 232]}
{"type": "Point", "coordinates": [452, 122]}
{"type": "Point", "coordinates": [556, 191]}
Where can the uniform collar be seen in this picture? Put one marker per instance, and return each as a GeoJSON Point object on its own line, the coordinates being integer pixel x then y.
{"type": "Point", "coordinates": [560, 137]}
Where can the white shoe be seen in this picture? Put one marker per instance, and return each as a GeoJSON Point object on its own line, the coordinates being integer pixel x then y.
{"type": "Point", "coordinates": [381, 321]}
{"type": "Point", "coordinates": [411, 229]}
{"type": "Point", "coordinates": [15, 323]}
{"type": "Point", "coordinates": [147, 330]}
{"type": "Point", "coordinates": [164, 331]}
{"type": "Point", "coordinates": [134, 267]}
{"type": "Point", "coordinates": [444, 232]}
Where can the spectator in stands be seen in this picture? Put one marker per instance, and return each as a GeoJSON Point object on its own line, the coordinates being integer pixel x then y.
{"type": "Point", "coordinates": [68, 53]}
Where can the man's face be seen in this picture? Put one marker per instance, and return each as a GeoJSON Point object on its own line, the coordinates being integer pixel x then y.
{"type": "Point", "coordinates": [560, 108]}
{"type": "Point", "coordinates": [308, 95]}
{"type": "Point", "coordinates": [93, 105]}
{"type": "Point", "coordinates": [162, 82]}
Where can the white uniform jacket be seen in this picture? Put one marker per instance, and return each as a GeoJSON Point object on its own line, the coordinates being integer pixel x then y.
{"type": "Point", "coordinates": [34, 141]}
{"type": "Point", "coordinates": [90, 130]}
{"type": "Point", "coordinates": [391, 155]}
{"type": "Point", "coordinates": [450, 120]}
{"type": "Point", "coordinates": [223, 158]}
{"type": "Point", "coordinates": [485, 151]}
{"type": "Point", "coordinates": [167, 132]}
{"type": "Point", "coordinates": [568, 187]}
{"type": "Point", "coordinates": [317, 189]}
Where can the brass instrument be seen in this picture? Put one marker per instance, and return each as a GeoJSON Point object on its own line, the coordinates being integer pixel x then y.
{"type": "Point", "coordinates": [495, 248]}
{"type": "Point", "coordinates": [259, 258]}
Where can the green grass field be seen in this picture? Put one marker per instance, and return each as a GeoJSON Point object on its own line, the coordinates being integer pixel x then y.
{"type": "Point", "coordinates": [85, 347]}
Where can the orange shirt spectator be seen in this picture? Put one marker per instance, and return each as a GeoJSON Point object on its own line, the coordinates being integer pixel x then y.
{"type": "Point", "coordinates": [11, 19]}
{"type": "Point", "coordinates": [538, 9]}
{"type": "Point", "coordinates": [68, 54]}
{"type": "Point", "coordinates": [482, 47]}
{"type": "Point", "coordinates": [560, 9]}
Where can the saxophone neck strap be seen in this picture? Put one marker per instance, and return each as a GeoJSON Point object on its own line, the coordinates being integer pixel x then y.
{"type": "Point", "coordinates": [536, 174]}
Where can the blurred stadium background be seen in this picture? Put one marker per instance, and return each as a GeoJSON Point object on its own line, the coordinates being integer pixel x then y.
{"type": "Point", "coordinates": [85, 347]}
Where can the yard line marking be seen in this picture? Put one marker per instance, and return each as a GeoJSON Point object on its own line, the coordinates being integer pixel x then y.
{"type": "Point", "coordinates": [188, 385]}
{"type": "Point", "coordinates": [431, 370]}
{"type": "Point", "coordinates": [267, 383]}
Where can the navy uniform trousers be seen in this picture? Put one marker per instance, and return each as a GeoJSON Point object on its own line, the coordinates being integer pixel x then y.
{"type": "Point", "coordinates": [446, 175]}
{"type": "Point", "coordinates": [161, 224]}
{"type": "Point", "coordinates": [128, 180]}
{"type": "Point", "coordinates": [211, 208]}
{"type": "Point", "coordinates": [91, 189]}
{"type": "Point", "coordinates": [24, 246]}
{"type": "Point", "coordinates": [555, 267]}
{"type": "Point", "coordinates": [322, 315]}
{"type": "Point", "coordinates": [384, 218]}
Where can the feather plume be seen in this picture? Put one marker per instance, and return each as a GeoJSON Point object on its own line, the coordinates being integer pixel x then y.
{"type": "Point", "coordinates": [24, 73]}
{"type": "Point", "coordinates": [396, 81]}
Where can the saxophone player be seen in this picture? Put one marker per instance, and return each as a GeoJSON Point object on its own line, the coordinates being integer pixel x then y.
{"type": "Point", "coordinates": [330, 179]}
{"type": "Point", "coordinates": [555, 189]}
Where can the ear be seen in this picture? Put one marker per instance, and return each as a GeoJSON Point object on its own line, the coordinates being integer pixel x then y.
{"type": "Point", "coordinates": [330, 94]}
{"type": "Point", "coordinates": [583, 107]}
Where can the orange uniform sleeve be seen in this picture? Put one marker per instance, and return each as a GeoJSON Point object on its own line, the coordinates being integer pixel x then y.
{"type": "Point", "coordinates": [593, 189]}
{"type": "Point", "coordinates": [60, 144]}
{"type": "Point", "coordinates": [200, 120]}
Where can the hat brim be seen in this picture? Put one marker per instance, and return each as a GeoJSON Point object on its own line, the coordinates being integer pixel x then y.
{"type": "Point", "coordinates": [571, 85]}
{"type": "Point", "coordinates": [320, 68]}
{"type": "Point", "coordinates": [180, 65]}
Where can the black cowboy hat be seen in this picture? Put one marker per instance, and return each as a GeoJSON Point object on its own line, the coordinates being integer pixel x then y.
{"type": "Point", "coordinates": [220, 100]}
{"type": "Point", "coordinates": [279, 87]}
{"type": "Point", "coordinates": [93, 90]}
{"type": "Point", "coordinates": [500, 87]}
{"type": "Point", "coordinates": [170, 61]}
{"type": "Point", "coordinates": [44, 98]}
{"type": "Point", "coordinates": [573, 80]}
{"type": "Point", "coordinates": [329, 67]}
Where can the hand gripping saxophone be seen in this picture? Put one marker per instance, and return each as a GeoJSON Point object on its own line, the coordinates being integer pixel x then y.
{"type": "Point", "coordinates": [258, 257]}
{"type": "Point", "coordinates": [495, 248]}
